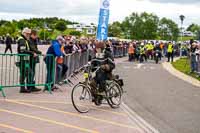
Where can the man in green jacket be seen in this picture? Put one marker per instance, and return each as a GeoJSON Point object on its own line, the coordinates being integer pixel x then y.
{"type": "Point", "coordinates": [34, 58]}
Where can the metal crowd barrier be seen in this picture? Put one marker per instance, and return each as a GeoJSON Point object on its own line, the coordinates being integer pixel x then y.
{"type": "Point", "coordinates": [92, 54]}
{"type": "Point", "coordinates": [120, 51]}
{"type": "Point", "coordinates": [75, 62]}
{"type": "Point", "coordinates": [16, 68]}
{"type": "Point", "coordinates": [21, 70]}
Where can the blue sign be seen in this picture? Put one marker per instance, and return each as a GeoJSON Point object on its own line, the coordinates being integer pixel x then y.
{"type": "Point", "coordinates": [102, 31]}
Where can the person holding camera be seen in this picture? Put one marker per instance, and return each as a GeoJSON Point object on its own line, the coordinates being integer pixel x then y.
{"type": "Point", "coordinates": [193, 56]}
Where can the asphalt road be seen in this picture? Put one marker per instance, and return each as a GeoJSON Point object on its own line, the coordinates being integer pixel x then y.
{"type": "Point", "coordinates": [167, 103]}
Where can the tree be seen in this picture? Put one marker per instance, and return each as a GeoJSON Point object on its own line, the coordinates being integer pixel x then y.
{"type": "Point", "coordinates": [125, 26]}
{"type": "Point", "coordinates": [150, 25]}
{"type": "Point", "coordinates": [115, 29]}
{"type": "Point", "coordinates": [7, 27]}
{"type": "Point", "coordinates": [13, 27]}
{"type": "Point", "coordinates": [75, 33]}
{"type": "Point", "coordinates": [44, 34]}
{"type": "Point", "coordinates": [141, 26]}
{"type": "Point", "coordinates": [193, 28]}
{"type": "Point", "coordinates": [168, 29]}
{"type": "Point", "coordinates": [2, 30]}
{"type": "Point", "coordinates": [61, 26]}
{"type": "Point", "coordinates": [2, 22]}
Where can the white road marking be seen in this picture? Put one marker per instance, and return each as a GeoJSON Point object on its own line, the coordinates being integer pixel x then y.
{"type": "Point", "coordinates": [152, 68]}
{"type": "Point", "coordinates": [139, 65]}
{"type": "Point", "coordinates": [126, 67]}
{"type": "Point", "coordinates": [139, 120]}
{"type": "Point", "coordinates": [135, 67]}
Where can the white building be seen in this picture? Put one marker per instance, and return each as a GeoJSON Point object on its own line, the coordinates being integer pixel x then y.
{"type": "Point", "coordinates": [187, 33]}
{"type": "Point", "coordinates": [90, 29]}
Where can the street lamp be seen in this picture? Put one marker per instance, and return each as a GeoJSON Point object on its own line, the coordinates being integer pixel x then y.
{"type": "Point", "coordinates": [182, 17]}
{"type": "Point", "coordinates": [45, 27]}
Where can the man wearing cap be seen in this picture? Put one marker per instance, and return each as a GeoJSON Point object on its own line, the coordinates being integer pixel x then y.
{"type": "Point", "coordinates": [8, 43]}
{"type": "Point", "coordinates": [55, 51]}
{"type": "Point", "coordinates": [24, 63]}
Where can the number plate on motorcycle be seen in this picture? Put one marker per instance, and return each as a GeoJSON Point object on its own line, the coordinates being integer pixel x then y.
{"type": "Point", "coordinates": [86, 75]}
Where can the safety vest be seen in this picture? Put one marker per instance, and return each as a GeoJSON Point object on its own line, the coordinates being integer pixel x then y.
{"type": "Point", "coordinates": [147, 46]}
{"type": "Point", "coordinates": [142, 50]}
{"type": "Point", "coordinates": [131, 50]}
{"type": "Point", "coordinates": [27, 47]}
{"type": "Point", "coordinates": [151, 47]}
{"type": "Point", "coordinates": [170, 48]}
{"type": "Point", "coordinates": [26, 42]}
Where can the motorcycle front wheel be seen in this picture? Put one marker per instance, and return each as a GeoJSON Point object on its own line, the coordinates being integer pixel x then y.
{"type": "Point", "coordinates": [81, 98]}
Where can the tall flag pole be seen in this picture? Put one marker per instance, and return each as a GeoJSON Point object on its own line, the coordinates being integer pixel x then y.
{"type": "Point", "coordinates": [102, 30]}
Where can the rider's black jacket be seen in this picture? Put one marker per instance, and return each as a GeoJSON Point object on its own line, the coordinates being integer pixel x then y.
{"type": "Point", "coordinates": [157, 48]}
{"type": "Point", "coordinates": [103, 74]}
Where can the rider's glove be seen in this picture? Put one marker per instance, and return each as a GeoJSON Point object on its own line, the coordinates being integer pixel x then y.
{"type": "Point", "coordinates": [105, 67]}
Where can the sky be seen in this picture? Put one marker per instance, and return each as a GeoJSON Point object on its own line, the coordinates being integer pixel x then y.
{"type": "Point", "coordinates": [87, 11]}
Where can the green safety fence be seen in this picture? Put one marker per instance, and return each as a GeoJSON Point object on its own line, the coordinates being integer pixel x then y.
{"type": "Point", "coordinates": [23, 70]}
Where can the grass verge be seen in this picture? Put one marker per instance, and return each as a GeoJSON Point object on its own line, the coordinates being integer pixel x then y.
{"type": "Point", "coordinates": [183, 65]}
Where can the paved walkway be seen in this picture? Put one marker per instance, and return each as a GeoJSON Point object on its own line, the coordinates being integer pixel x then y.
{"type": "Point", "coordinates": [43, 112]}
{"type": "Point", "coordinates": [49, 113]}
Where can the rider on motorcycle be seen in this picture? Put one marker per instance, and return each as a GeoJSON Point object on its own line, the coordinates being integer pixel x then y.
{"type": "Point", "coordinates": [105, 61]}
{"type": "Point", "coordinates": [157, 49]}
